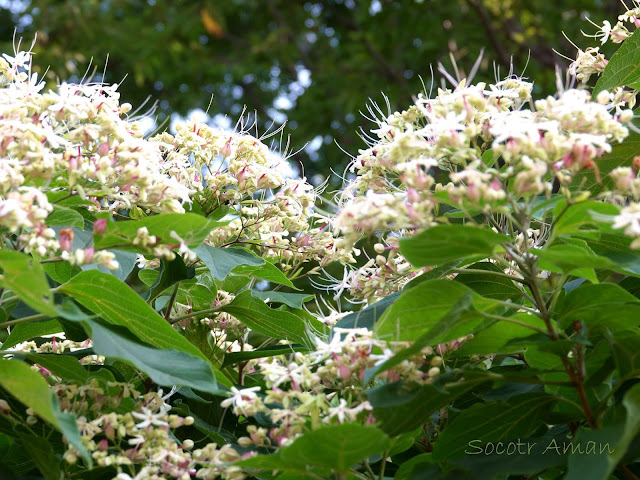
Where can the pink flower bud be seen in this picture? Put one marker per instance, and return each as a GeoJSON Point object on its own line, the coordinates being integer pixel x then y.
{"type": "Point", "coordinates": [226, 150]}
{"type": "Point", "coordinates": [66, 239]}
{"type": "Point", "coordinates": [88, 254]}
{"type": "Point", "coordinates": [412, 195]}
{"type": "Point", "coordinates": [344, 372]}
{"type": "Point", "coordinates": [103, 149]}
{"type": "Point", "coordinates": [100, 226]}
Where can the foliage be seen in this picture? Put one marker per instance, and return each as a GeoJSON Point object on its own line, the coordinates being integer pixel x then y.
{"type": "Point", "coordinates": [155, 328]}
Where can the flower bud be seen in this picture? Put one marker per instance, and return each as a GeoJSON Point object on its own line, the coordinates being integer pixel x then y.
{"type": "Point", "coordinates": [603, 97]}
{"type": "Point", "coordinates": [626, 116]}
{"type": "Point", "coordinates": [187, 444]}
{"type": "Point", "coordinates": [436, 361]}
{"type": "Point", "coordinates": [100, 226]}
{"type": "Point", "coordinates": [433, 372]}
{"type": "Point", "coordinates": [379, 248]}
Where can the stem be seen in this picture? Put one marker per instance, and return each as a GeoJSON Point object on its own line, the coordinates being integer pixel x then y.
{"type": "Point", "coordinates": [383, 464]}
{"type": "Point", "coordinates": [368, 468]}
{"type": "Point", "coordinates": [39, 316]}
{"type": "Point", "coordinates": [172, 299]}
{"type": "Point", "coordinates": [497, 274]}
{"type": "Point", "coordinates": [196, 314]}
{"type": "Point", "coordinates": [628, 474]}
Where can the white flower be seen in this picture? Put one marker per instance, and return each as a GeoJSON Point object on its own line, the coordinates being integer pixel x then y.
{"type": "Point", "coordinates": [629, 219]}
{"type": "Point", "coordinates": [149, 418]}
{"type": "Point", "coordinates": [244, 401]}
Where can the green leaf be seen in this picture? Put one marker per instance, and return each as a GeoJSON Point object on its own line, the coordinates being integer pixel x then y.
{"type": "Point", "coordinates": [126, 262]}
{"type": "Point", "coordinates": [171, 272]}
{"type": "Point", "coordinates": [343, 446]}
{"type": "Point", "coordinates": [401, 410]}
{"type": "Point", "coordinates": [455, 317]}
{"type": "Point", "coordinates": [444, 243]}
{"type": "Point", "coordinates": [522, 457]}
{"type": "Point", "coordinates": [28, 330]}
{"type": "Point", "coordinates": [63, 366]}
{"type": "Point", "coordinates": [492, 422]}
{"type": "Point", "coordinates": [604, 448]}
{"type": "Point", "coordinates": [165, 367]}
{"type": "Point", "coordinates": [42, 454]}
{"type": "Point", "coordinates": [621, 155]}
{"type": "Point", "coordinates": [489, 285]}
{"type": "Point", "coordinates": [30, 388]}
{"type": "Point", "coordinates": [576, 216]}
{"type": "Point", "coordinates": [148, 277]}
{"type": "Point", "coordinates": [271, 351]}
{"type": "Point", "coordinates": [220, 261]}
{"type": "Point", "coordinates": [61, 272]}
{"type": "Point", "coordinates": [268, 272]}
{"type": "Point", "coordinates": [65, 216]}
{"type": "Point", "coordinates": [626, 353]}
{"type": "Point", "coordinates": [501, 337]}
{"type": "Point", "coordinates": [24, 276]}
{"type": "Point", "coordinates": [369, 316]}
{"type": "Point", "coordinates": [616, 247]}
{"type": "Point", "coordinates": [115, 302]}
{"type": "Point", "coordinates": [260, 318]}
{"type": "Point", "coordinates": [293, 300]}
{"type": "Point", "coordinates": [573, 260]}
{"type": "Point", "coordinates": [604, 304]}
{"type": "Point", "coordinates": [420, 308]}
{"type": "Point", "coordinates": [192, 228]}
{"type": "Point", "coordinates": [623, 68]}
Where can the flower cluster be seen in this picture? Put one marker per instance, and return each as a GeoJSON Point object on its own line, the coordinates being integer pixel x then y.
{"type": "Point", "coordinates": [477, 149]}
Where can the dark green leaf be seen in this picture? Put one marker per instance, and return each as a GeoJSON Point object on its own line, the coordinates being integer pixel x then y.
{"type": "Point", "coordinates": [65, 216]}
{"type": "Point", "coordinates": [165, 367]}
{"type": "Point", "coordinates": [42, 454]}
{"type": "Point", "coordinates": [29, 387]}
{"type": "Point", "coordinates": [220, 261]}
{"type": "Point", "coordinates": [171, 272]}
{"type": "Point", "coordinates": [502, 337]}
{"type": "Point", "coordinates": [626, 354]}
{"type": "Point", "coordinates": [63, 366]}
{"type": "Point", "coordinates": [293, 300]}
{"type": "Point", "coordinates": [492, 422]}
{"type": "Point", "coordinates": [602, 449]}
{"type": "Point", "coordinates": [419, 309]}
{"type": "Point", "coordinates": [489, 285]}
{"type": "Point", "coordinates": [444, 243]}
{"type": "Point", "coordinates": [116, 303]}
{"type": "Point", "coordinates": [401, 410]}
{"type": "Point", "coordinates": [572, 259]}
{"type": "Point", "coordinates": [623, 69]}
{"type": "Point", "coordinates": [603, 304]}
{"type": "Point", "coordinates": [343, 446]}
{"type": "Point", "coordinates": [254, 313]}
{"type": "Point", "coordinates": [28, 330]}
